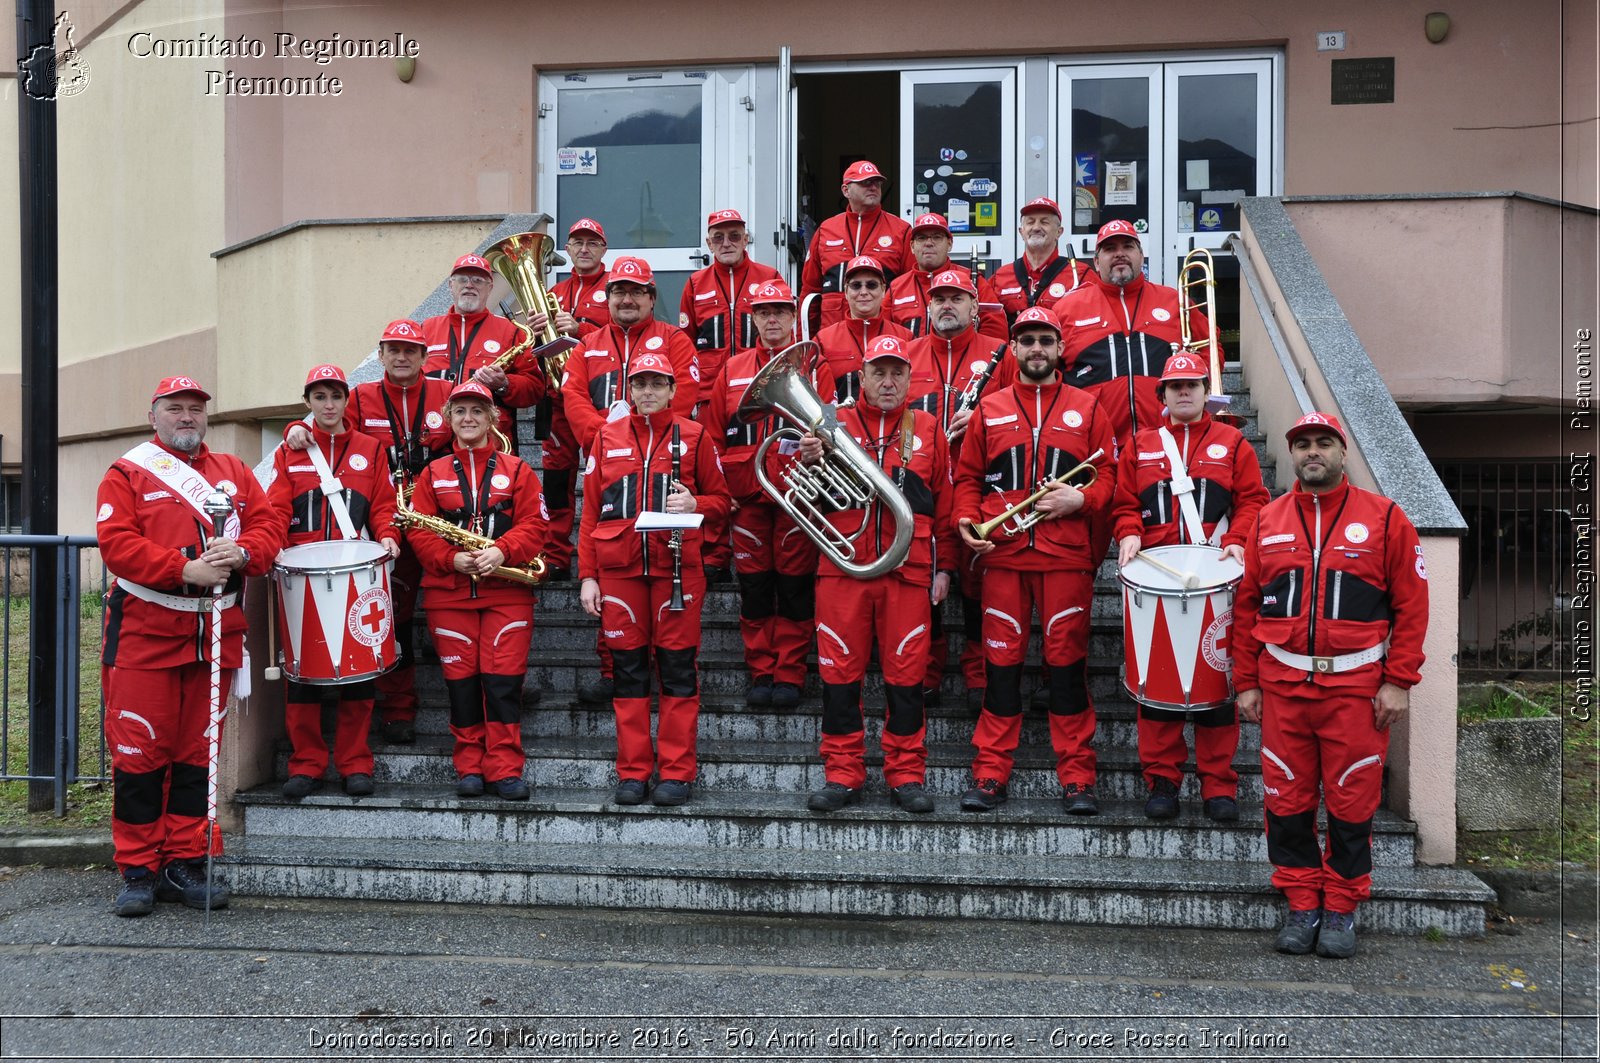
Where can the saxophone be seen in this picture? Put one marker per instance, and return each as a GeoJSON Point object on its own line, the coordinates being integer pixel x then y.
{"type": "Point", "coordinates": [531, 572]}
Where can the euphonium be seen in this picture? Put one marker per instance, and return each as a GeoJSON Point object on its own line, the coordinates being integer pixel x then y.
{"type": "Point", "coordinates": [846, 478]}
{"type": "Point", "coordinates": [530, 572]}
{"type": "Point", "coordinates": [1022, 516]}
{"type": "Point", "coordinates": [521, 260]}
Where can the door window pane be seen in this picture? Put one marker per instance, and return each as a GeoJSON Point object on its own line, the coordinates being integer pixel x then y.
{"type": "Point", "coordinates": [645, 140]}
{"type": "Point", "coordinates": [1110, 152]}
{"type": "Point", "coordinates": [1217, 135]}
{"type": "Point", "coordinates": [956, 154]}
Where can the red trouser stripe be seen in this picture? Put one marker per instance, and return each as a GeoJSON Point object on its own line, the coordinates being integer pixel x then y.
{"type": "Point", "coordinates": [634, 615]}
{"type": "Point", "coordinates": [491, 640]}
{"type": "Point", "coordinates": [766, 540]}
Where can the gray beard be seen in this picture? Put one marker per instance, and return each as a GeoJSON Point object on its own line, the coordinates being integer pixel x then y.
{"type": "Point", "coordinates": [185, 440]}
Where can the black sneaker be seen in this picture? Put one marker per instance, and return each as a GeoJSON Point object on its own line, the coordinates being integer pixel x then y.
{"type": "Point", "coordinates": [669, 792]}
{"type": "Point", "coordinates": [1079, 800]}
{"type": "Point", "coordinates": [138, 894]}
{"type": "Point", "coordinates": [512, 789]}
{"type": "Point", "coordinates": [358, 785]}
{"type": "Point", "coordinates": [597, 691]}
{"type": "Point", "coordinates": [985, 796]}
{"type": "Point", "coordinates": [785, 695]}
{"type": "Point", "coordinates": [1223, 809]}
{"type": "Point", "coordinates": [185, 881]}
{"type": "Point", "coordinates": [400, 732]}
{"type": "Point", "coordinates": [1337, 938]}
{"type": "Point", "coordinates": [1163, 802]}
{"type": "Point", "coordinates": [1299, 932]}
{"type": "Point", "coordinates": [832, 797]}
{"type": "Point", "coordinates": [912, 796]}
{"type": "Point", "coordinates": [760, 692]}
{"type": "Point", "coordinates": [300, 786]}
{"type": "Point", "coordinates": [469, 786]}
{"type": "Point", "coordinates": [629, 792]}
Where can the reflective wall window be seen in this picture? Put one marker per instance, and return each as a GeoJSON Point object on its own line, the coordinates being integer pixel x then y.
{"type": "Point", "coordinates": [1110, 151]}
{"type": "Point", "coordinates": [957, 154]}
{"type": "Point", "coordinates": [1218, 130]}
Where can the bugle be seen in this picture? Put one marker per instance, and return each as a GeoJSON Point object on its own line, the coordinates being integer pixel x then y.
{"type": "Point", "coordinates": [1022, 516]}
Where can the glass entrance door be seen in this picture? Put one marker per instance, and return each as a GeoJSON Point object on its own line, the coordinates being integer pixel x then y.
{"type": "Point", "coordinates": [1109, 137]}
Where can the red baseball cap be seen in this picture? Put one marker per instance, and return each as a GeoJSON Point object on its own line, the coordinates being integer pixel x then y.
{"type": "Point", "coordinates": [1310, 421]}
{"type": "Point", "coordinates": [773, 291]}
{"type": "Point", "coordinates": [723, 217]}
{"type": "Point", "coordinates": [1036, 315]}
{"type": "Point", "coordinates": [178, 385]}
{"type": "Point", "coordinates": [1115, 228]}
{"type": "Point", "coordinates": [471, 389]}
{"type": "Point", "coordinates": [326, 374]}
{"type": "Point", "coordinates": [1042, 203]}
{"type": "Point", "coordinates": [1184, 366]}
{"type": "Point", "coordinates": [472, 262]}
{"type": "Point", "coordinates": [861, 262]}
{"type": "Point", "coordinates": [631, 271]}
{"type": "Point", "coordinates": [930, 221]}
{"type": "Point", "coordinates": [651, 362]}
{"type": "Point", "coordinates": [886, 347]}
{"type": "Point", "coordinates": [957, 279]}
{"type": "Point", "coordinates": [586, 225]}
{"type": "Point", "coordinates": [859, 172]}
{"type": "Point", "coordinates": [403, 330]}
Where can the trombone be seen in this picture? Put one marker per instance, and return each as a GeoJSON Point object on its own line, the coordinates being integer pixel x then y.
{"type": "Point", "coordinates": [1198, 271]}
{"type": "Point", "coordinates": [1022, 516]}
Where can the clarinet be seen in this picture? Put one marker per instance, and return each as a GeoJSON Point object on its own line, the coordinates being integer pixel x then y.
{"type": "Point", "coordinates": [974, 389]}
{"type": "Point", "coordinates": [675, 541]}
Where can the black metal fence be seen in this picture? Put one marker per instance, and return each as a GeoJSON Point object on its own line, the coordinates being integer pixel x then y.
{"type": "Point", "coordinates": [72, 725]}
{"type": "Point", "coordinates": [1516, 566]}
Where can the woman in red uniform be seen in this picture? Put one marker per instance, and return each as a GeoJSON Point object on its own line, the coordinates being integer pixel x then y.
{"type": "Point", "coordinates": [481, 623]}
{"type": "Point", "coordinates": [299, 505]}
{"type": "Point", "coordinates": [652, 459]}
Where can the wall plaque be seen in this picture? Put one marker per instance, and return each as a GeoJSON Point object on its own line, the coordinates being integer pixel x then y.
{"type": "Point", "coordinates": [1363, 80]}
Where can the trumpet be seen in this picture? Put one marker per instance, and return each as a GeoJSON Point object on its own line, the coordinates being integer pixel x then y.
{"type": "Point", "coordinates": [1022, 516]}
{"type": "Point", "coordinates": [521, 260]}
{"type": "Point", "coordinates": [530, 572]}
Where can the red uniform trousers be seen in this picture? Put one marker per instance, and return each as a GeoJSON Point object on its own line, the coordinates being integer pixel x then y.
{"type": "Point", "coordinates": [851, 614]}
{"type": "Point", "coordinates": [635, 621]}
{"type": "Point", "coordinates": [1063, 598]}
{"type": "Point", "coordinates": [302, 718]}
{"type": "Point", "coordinates": [1311, 735]}
{"type": "Point", "coordinates": [1162, 749]}
{"type": "Point", "coordinates": [155, 725]}
{"type": "Point", "coordinates": [483, 649]}
{"type": "Point", "coordinates": [777, 568]}
{"type": "Point", "coordinates": [397, 688]}
{"type": "Point", "coordinates": [560, 470]}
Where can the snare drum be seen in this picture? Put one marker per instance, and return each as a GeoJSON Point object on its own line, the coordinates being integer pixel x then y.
{"type": "Point", "coordinates": [335, 614]}
{"type": "Point", "coordinates": [1175, 642]}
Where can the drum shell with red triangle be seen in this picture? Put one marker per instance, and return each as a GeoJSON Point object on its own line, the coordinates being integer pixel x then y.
{"type": "Point", "coordinates": [1176, 642]}
{"type": "Point", "coordinates": [335, 612]}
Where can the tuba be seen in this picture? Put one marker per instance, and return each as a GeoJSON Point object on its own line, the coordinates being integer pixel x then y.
{"type": "Point", "coordinates": [846, 478]}
{"type": "Point", "coordinates": [521, 260]}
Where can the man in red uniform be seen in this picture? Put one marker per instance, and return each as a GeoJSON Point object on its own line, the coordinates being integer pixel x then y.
{"type": "Point", "coordinates": [843, 343]}
{"type": "Point", "coordinates": [362, 506]}
{"type": "Point", "coordinates": [584, 311]}
{"type": "Point", "coordinates": [776, 563]}
{"type": "Point", "coordinates": [865, 228]}
{"type": "Point", "coordinates": [482, 623]}
{"type": "Point", "coordinates": [652, 459]}
{"type": "Point", "coordinates": [1189, 480]}
{"type": "Point", "coordinates": [1041, 277]}
{"type": "Point", "coordinates": [1035, 430]}
{"type": "Point", "coordinates": [930, 254]}
{"type": "Point", "coordinates": [1327, 644]}
{"type": "Point", "coordinates": [161, 545]}
{"type": "Point", "coordinates": [715, 309]}
{"type": "Point", "coordinates": [404, 411]}
{"type": "Point", "coordinates": [466, 341]}
{"type": "Point", "coordinates": [890, 610]}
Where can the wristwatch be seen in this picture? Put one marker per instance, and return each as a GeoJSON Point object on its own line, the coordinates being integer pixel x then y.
{"type": "Point", "coordinates": [245, 553]}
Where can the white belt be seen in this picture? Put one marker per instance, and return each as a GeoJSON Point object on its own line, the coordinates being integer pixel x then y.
{"type": "Point", "coordinates": [1344, 662]}
{"type": "Point", "coordinates": [178, 603]}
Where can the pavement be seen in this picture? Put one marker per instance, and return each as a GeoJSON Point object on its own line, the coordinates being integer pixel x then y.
{"type": "Point", "coordinates": [306, 980]}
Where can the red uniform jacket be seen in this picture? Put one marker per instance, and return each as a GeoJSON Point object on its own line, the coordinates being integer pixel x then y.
{"type": "Point", "coordinates": [1020, 287]}
{"type": "Point", "coordinates": [459, 345]}
{"type": "Point", "coordinates": [597, 369]}
{"type": "Point", "coordinates": [147, 534]}
{"type": "Point", "coordinates": [1115, 342]}
{"type": "Point", "coordinates": [632, 458]}
{"type": "Point", "coordinates": [908, 303]}
{"type": "Point", "coordinates": [1018, 437]}
{"type": "Point", "coordinates": [884, 236]}
{"type": "Point", "coordinates": [499, 493]}
{"type": "Point", "coordinates": [585, 299]}
{"type": "Point", "coordinates": [737, 441]}
{"type": "Point", "coordinates": [295, 494]}
{"type": "Point", "coordinates": [409, 422]}
{"type": "Point", "coordinates": [1327, 575]}
{"type": "Point", "coordinates": [845, 343]}
{"type": "Point", "coordinates": [942, 368]}
{"type": "Point", "coordinates": [715, 313]}
{"type": "Point", "coordinates": [925, 483]}
{"type": "Point", "coordinates": [1227, 483]}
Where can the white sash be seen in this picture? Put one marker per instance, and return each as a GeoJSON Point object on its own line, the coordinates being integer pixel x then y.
{"type": "Point", "coordinates": [333, 490]}
{"type": "Point", "coordinates": [1183, 491]}
{"type": "Point", "coordinates": [182, 479]}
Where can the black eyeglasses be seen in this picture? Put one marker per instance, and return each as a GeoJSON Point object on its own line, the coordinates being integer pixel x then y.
{"type": "Point", "coordinates": [1035, 340]}
{"type": "Point", "coordinates": [865, 286]}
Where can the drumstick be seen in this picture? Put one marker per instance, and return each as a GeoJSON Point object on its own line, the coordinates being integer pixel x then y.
{"type": "Point", "coordinates": [271, 672]}
{"type": "Point", "coordinates": [1188, 580]}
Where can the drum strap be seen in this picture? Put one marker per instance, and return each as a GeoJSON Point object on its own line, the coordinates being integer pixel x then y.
{"type": "Point", "coordinates": [1183, 489]}
{"type": "Point", "coordinates": [334, 490]}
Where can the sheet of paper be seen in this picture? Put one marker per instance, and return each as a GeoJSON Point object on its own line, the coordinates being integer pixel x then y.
{"type": "Point", "coordinates": [652, 520]}
{"type": "Point", "coordinates": [1122, 184]}
{"type": "Point", "coordinates": [1199, 174]}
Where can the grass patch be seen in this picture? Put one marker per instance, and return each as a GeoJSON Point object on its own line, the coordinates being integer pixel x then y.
{"type": "Point", "coordinates": [1506, 701]}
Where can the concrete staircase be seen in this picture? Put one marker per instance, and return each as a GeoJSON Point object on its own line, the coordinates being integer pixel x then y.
{"type": "Point", "coordinates": [745, 842]}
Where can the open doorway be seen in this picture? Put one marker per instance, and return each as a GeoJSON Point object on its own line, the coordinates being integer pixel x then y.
{"type": "Point", "coordinates": [843, 117]}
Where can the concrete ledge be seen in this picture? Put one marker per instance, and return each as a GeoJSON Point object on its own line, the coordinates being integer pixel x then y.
{"type": "Point", "coordinates": [1568, 893]}
{"type": "Point", "coordinates": [56, 850]}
